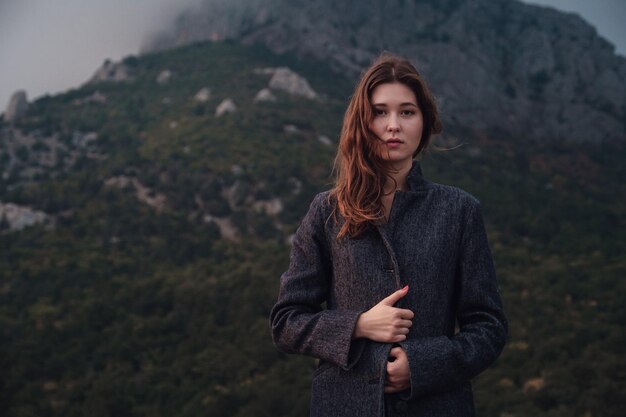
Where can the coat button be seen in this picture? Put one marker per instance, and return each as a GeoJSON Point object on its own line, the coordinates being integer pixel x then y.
{"type": "Point", "coordinates": [401, 406]}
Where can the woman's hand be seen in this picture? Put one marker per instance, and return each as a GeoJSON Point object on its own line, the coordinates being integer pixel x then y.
{"type": "Point", "coordinates": [384, 322]}
{"type": "Point", "coordinates": [398, 373]}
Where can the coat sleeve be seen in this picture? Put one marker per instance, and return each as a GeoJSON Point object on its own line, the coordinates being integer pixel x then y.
{"type": "Point", "coordinates": [440, 363]}
{"type": "Point", "coordinates": [298, 322]}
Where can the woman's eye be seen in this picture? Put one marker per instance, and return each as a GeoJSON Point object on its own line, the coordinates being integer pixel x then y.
{"type": "Point", "coordinates": [408, 112]}
{"type": "Point", "coordinates": [379, 112]}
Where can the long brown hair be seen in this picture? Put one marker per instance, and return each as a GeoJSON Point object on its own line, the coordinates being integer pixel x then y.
{"type": "Point", "coordinates": [360, 171]}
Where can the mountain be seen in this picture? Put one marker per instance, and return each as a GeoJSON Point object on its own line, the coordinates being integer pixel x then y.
{"type": "Point", "coordinates": [501, 65]}
{"type": "Point", "coordinates": [145, 219]}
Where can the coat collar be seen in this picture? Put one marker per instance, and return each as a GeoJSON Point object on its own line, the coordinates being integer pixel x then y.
{"type": "Point", "coordinates": [415, 178]}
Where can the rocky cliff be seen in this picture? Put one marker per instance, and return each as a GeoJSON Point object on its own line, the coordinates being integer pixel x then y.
{"type": "Point", "coordinates": [18, 104]}
{"type": "Point", "coordinates": [526, 71]}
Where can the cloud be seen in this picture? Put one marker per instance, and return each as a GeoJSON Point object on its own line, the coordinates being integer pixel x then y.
{"type": "Point", "coordinates": [50, 46]}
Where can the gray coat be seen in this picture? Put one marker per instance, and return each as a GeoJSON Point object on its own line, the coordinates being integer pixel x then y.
{"type": "Point", "coordinates": [435, 242]}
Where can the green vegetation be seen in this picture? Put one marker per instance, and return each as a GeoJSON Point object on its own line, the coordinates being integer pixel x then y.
{"type": "Point", "coordinates": [136, 303]}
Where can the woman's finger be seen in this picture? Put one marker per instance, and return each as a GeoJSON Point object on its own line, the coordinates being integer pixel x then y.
{"type": "Point", "coordinates": [395, 296]}
{"type": "Point", "coordinates": [406, 314]}
{"type": "Point", "coordinates": [387, 388]}
{"type": "Point", "coordinates": [405, 323]}
{"type": "Point", "coordinates": [395, 351]}
{"type": "Point", "coordinates": [398, 338]}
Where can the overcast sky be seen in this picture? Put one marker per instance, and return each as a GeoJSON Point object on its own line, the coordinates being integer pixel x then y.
{"type": "Point", "coordinates": [49, 46]}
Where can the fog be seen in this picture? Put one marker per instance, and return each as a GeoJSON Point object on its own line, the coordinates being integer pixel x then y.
{"type": "Point", "coordinates": [48, 46]}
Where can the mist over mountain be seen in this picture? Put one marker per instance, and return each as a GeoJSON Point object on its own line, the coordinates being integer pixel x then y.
{"type": "Point", "coordinates": [51, 46]}
{"type": "Point", "coordinates": [500, 65]}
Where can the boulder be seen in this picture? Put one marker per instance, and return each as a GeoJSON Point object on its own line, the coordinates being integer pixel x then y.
{"type": "Point", "coordinates": [203, 95]}
{"type": "Point", "coordinates": [226, 106]}
{"type": "Point", "coordinates": [291, 129]}
{"type": "Point", "coordinates": [325, 140]}
{"type": "Point", "coordinates": [286, 80]}
{"type": "Point", "coordinates": [264, 95]}
{"type": "Point", "coordinates": [164, 77]}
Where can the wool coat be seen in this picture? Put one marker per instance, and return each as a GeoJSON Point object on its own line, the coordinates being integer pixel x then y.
{"type": "Point", "coordinates": [434, 241]}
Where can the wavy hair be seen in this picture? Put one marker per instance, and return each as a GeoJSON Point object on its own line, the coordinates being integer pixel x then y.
{"type": "Point", "coordinates": [360, 169]}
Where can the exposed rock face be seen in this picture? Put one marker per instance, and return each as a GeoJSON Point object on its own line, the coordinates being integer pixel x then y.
{"type": "Point", "coordinates": [110, 71]}
{"type": "Point", "coordinates": [83, 140]}
{"type": "Point", "coordinates": [18, 104]}
{"type": "Point", "coordinates": [226, 106]}
{"type": "Point", "coordinates": [271, 207]}
{"type": "Point", "coordinates": [227, 230]}
{"type": "Point", "coordinates": [144, 194]}
{"type": "Point", "coordinates": [14, 217]}
{"type": "Point", "coordinates": [527, 71]}
{"type": "Point", "coordinates": [29, 154]}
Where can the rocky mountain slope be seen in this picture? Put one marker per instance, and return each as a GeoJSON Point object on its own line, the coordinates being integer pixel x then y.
{"type": "Point", "coordinates": [500, 65]}
{"type": "Point", "coordinates": [145, 219]}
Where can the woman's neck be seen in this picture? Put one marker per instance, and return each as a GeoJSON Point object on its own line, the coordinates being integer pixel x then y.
{"type": "Point", "coordinates": [399, 175]}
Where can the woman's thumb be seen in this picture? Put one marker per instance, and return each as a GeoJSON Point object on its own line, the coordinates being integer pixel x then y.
{"type": "Point", "coordinates": [395, 296]}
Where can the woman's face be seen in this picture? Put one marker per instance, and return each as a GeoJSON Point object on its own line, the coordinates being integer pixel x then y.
{"type": "Point", "coordinates": [398, 122]}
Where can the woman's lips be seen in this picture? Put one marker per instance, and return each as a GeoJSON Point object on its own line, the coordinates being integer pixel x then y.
{"type": "Point", "coordinates": [393, 143]}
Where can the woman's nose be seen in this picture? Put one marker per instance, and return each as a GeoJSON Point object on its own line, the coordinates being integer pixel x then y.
{"type": "Point", "coordinates": [393, 125]}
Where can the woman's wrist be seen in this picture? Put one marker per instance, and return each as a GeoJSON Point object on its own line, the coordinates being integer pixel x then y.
{"type": "Point", "coordinates": [359, 328]}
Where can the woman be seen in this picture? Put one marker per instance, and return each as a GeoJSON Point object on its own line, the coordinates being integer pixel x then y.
{"type": "Point", "coordinates": [398, 260]}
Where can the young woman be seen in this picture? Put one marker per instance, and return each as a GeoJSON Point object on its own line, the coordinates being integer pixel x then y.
{"type": "Point", "coordinates": [398, 260]}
